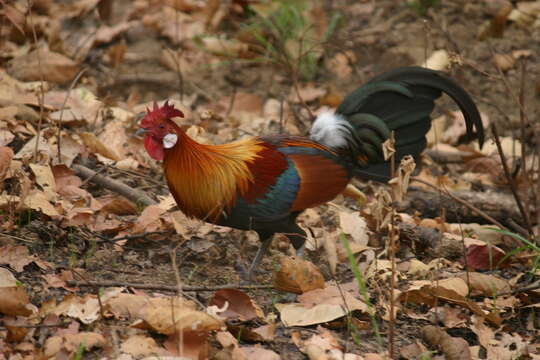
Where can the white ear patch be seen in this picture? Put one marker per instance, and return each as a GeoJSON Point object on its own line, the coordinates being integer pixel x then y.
{"type": "Point", "coordinates": [328, 129]}
{"type": "Point", "coordinates": [170, 140]}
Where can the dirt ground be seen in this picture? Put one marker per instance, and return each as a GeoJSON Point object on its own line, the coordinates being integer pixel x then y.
{"type": "Point", "coordinates": [376, 36]}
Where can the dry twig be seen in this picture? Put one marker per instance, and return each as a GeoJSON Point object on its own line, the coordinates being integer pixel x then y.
{"type": "Point", "coordinates": [132, 194]}
{"type": "Point", "coordinates": [164, 287]}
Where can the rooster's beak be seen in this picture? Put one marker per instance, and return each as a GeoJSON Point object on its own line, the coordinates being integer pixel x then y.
{"type": "Point", "coordinates": [141, 131]}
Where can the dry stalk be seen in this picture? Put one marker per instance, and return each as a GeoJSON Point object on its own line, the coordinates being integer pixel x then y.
{"type": "Point", "coordinates": [511, 181]}
{"type": "Point", "coordinates": [41, 97]}
{"type": "Point", "coordinates": [59, 123]}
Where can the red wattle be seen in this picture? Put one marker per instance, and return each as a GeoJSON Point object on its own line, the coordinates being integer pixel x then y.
{"type": "Point", "coordinates": [154, 147]}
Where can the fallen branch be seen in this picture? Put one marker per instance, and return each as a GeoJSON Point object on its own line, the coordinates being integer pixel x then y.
{"type": "Point", "coordinates": [468, 207]}
{"type": "Point", "coordinates": [163, 287]}
{"type": "Point", "coordinates": [134, 195]}
{"type": "Point", "coordinates": [449, 157]}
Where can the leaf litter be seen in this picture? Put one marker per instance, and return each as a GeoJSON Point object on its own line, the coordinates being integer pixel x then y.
{"type": "Point", "coordinates": [59, 229]}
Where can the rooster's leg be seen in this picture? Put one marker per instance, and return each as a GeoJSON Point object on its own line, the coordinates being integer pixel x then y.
{"type": "Point", "coordinates": [258, 257]}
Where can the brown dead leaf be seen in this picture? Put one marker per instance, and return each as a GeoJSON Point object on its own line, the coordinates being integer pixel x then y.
{"type": "Point", "coordinates": [237, 303]}
{"type": "Point", "coordinates": [17, 257]}
{"type": "Point", "coordinates": [231, 348]}
{"type": "Point", "coordinates": [97, 146]}
{"type": "Point", "coordinates": [453, 348]}
{"type": "Point", "coordinates": [340, 64]}
{"type": "Point", "coordinates": [321, 306]}
{"type": "Point", "coordinates": [86, 309]}
{"type": "Point", "coordinates": [118, 205]}
{"type": "Point", "coordinates": [400, 183]}
{"type": "Point", "coordinates": [68, 184]}
{"type": "Point", "coordinates": [142, 346]}
{"type": "Point", "coordinates": [483, 256]}
{"type": "Point", "coordinates": [225, 47]}
{"type": "Point", "coordinates": [45, 179]}
{"type": "Point", "coordinates": [496, 26]}
{"type": "Point", "coordinates": [82, 107]}
{"type": "Point", "coordinates": [511, 147]}
{"type": "Point", "coordinates": [330, 248]}
{"type": "Point", "coordinates": [170, 318]}
{"type": "Point", "coordinates": [14, 300]}
{"type": "Point", "coordinates": [72, 342]}
{"type": "Point", "coordinates": [431, 295]}
{"type": "Point", "coordinates": [43, 64]}
{"type": "Point", "coordinates": [486, 284]}
{"type": "Point", "coordinates": [149, 220]}
{"type": "Point", "coordinates": [353, 223]}
{"type": "Point", "coordinates": [106, 34]}
{"type": "Point", "coordinates": [413, 351]}
{"type": "Point", "coordinates": [498, 345]}
{"type": "Point", "coordinates": [6, 137]}
{"type": "Point", "coordinates": [259, 353]}
{"type": "Point", "coordinates": [58, 280]}
{"type": "Point", "coordinates": [322, 346]}
{"type": "Point", "coordinates": [265, 332]}
{"type": "Point", "coordinates": [343, 295]}
{"type": "Point", "coordinates": [37, 200]}
{"type": "Point", "coordinates": [295, 314]}
{"type": "Point", "coordinates": [115, 137]}
{"type": "Point", "coordinates": [438, 60]}
{"type": "Point", "coordinates": [504, 61]}
{"type": "Point", "coordinates": [297, 275]}
{"type": "Point", "coordinates": [307, 93]}
{"type": "Point", "coordinates": [128, 306]}
{"type": "Point", "coordinates": [6, 155]}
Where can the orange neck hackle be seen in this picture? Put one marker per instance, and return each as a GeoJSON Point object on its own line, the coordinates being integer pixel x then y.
{"type": "Point", "coordinates": [205, 179]}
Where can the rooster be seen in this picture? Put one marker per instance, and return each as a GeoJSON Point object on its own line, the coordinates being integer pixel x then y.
{"type": "Point", "coordinates": [264, 183]}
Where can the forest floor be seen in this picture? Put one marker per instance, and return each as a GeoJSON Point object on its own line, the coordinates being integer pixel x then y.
{"type": "Point", "coordinates": [88, 272]}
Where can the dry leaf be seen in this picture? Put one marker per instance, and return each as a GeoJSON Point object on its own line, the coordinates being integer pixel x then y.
{"type": "Point", "coordinates": [170, 318]}
{"type": "Point", "coordinates": [226, 47]}
{"type": "Point", "coordinates": [504, 61]}
{"type": "Point", "coordinates": [17, 257]}
{"type": "Point", "coordinates": [485, 284]}
{"type": "Point", "coordinates": [149, 220]}
{"type": "Point", "coordinates": [237, 303]}
{"type": "Point", "coordinates": [38, 200]}
{"type": "Point", "coordinates": [259, 353]}
{"type": "Point", "coordinates": [307, 93]}
{"type": "Point", "coordinates": [97, 146]}
{"type": "Point", "coordinates": [14, 300]}
{"type": "Point", "coordinates": [354, 225]}
{"type": "Point", "coordinates": [141, 345]}
{"type": "Point", "coordinates": [50, 66]}
{"type": "Point", "coordinates": [498, 345]}
{"type": "Point", "coordinates": [453, 348]}
{"type": "Point", "coordinates": [45, 179]}
{"type": "Point", "coordinates": [6, 155]}
{"type": "Point", "coordinates": [438, 60]}
{"type": "Point", "coordinates": [297, 276]}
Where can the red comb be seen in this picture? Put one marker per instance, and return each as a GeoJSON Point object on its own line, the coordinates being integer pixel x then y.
{"type": "Point", "coordinates": [159, 114]}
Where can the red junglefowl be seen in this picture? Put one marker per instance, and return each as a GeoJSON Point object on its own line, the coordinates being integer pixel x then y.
{"type": "Point", "coordinates": [264, 183]}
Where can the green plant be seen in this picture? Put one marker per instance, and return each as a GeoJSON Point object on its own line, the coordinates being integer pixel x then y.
{"type": "Point", "coordinates": [287, 37]}
{"type": "Point", "coordinates": [528, 245]}
{"type": "Point", "coordinates": [24, 218]}
{"type": "Point", "coordinates": [421, 7]}
{"type": "Point", "coordinates": [363, 291]}
{"type": "Point", "coordinates": [80, 352]}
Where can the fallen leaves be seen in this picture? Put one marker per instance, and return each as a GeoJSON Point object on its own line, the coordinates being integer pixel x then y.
{"type": "Point", "coordinates": [14, 299]}
{"type": "Point", "coordinates": [322, 306]}
{"type": "Point", "coordinates": [42, 64]}
{"type": "Point", "coordinates": [297, 276]}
